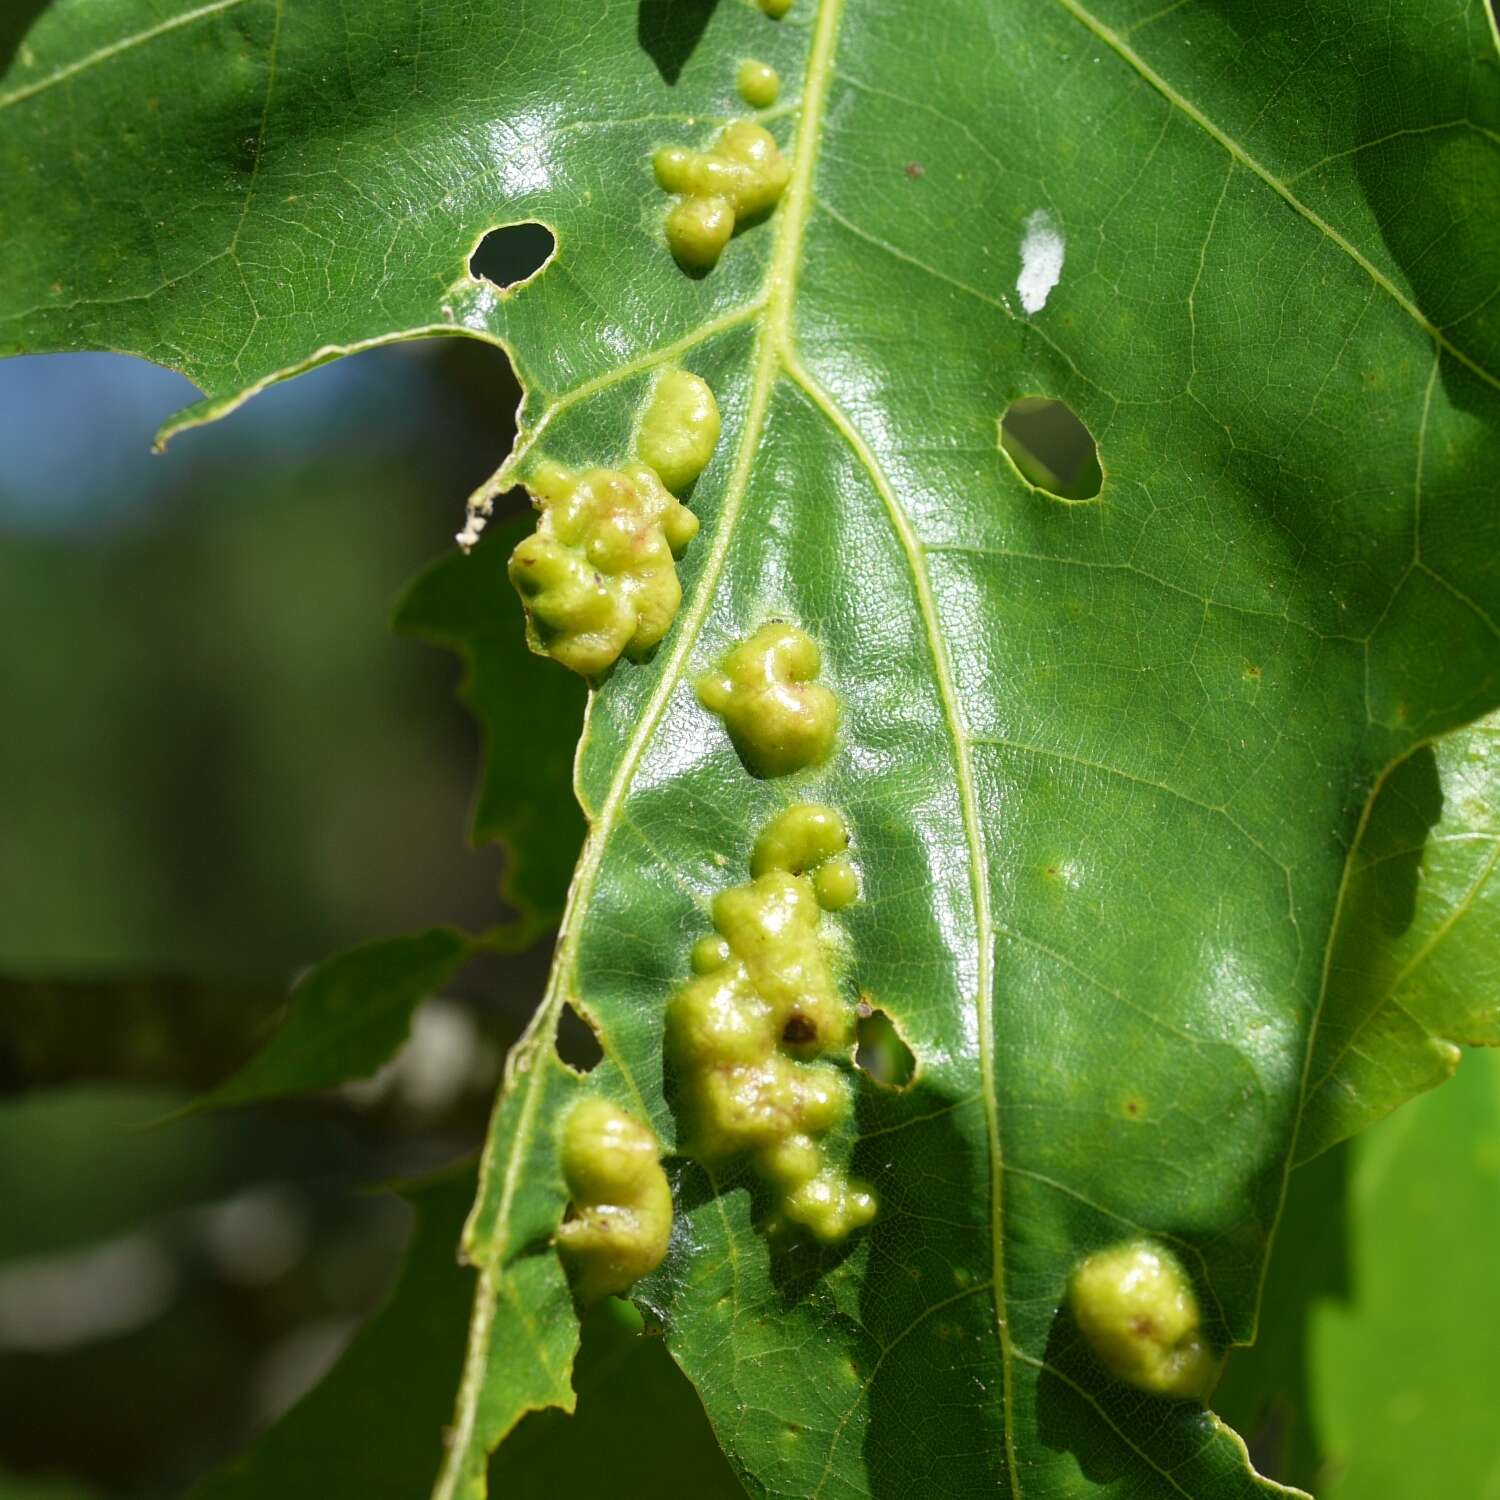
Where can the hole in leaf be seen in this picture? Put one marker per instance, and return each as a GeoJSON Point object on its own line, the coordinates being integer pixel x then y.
{"type": "Point", "coordinates": [576, 1044]}
{"type": "Point", "coordinates": [798, 1031]}
{"type": "Point", "coordinates": [511, 254]}
{"type": "Point", "coordinates": [1051, 448]}
{"type": "Point", "coordinates": [882, 1051]}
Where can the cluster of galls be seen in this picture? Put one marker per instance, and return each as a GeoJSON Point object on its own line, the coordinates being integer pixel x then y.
{"type": "Point", "coordinates": [598, 576]}
{"type": "Point", "coordinates": [746, 1032]}
{"type": "Point", "coordinates": [741, 175]}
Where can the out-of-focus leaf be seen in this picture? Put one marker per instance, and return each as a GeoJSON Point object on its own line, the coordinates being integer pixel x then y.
{"type": "Point", "coordinates": [78, 1165]}
{"type": "Point", "coordinates": [160, 1029]}
{"type": "Point", "coordinates": [1373, 1374]}
{"type": "Point", "coordinates": [639, 1433]}
{"type": "Point", "coordinates": [17, 1487]}
{"type": "Point", "coordinates": [347, 1017]}
{"type": "Point", "coordinates": [530, 714]}
{"type": "Point", "coordinates": [1402, 1375]}
{"type": "Point", "coordinates": [372, 1429]}
{"type": "Point", "coordinates": [1415, 967]}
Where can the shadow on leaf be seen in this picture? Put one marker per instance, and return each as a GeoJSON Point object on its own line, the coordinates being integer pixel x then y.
{"type": "Point", "coordinates": [14, 24]}
{"type": "Point", "coordinates": [669, 30]}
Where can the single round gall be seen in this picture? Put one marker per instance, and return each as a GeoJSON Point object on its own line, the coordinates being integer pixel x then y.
{"type": "Point", "coordinates": [679, 429]}
{"type": "Point", "coordinates": [759, 83]}
{"type": "Point", "coordinates": [1137, 1309]}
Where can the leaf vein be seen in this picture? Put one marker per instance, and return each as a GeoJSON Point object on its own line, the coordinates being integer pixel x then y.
{"type": "Point", "coordinates": [974, 837]}
{"type": "Point", "coordinates": [114, 49]}
{"type": "Point", "coordinates": [1117, 44]}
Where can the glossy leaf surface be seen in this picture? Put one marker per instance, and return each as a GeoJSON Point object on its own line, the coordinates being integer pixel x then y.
{"type": "Point", "coordinates": [1414, 973]}
{"type": "Point", "coordinates": [1104, 762]}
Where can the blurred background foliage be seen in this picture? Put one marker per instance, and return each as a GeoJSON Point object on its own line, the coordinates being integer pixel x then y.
{"type": "Point", "coordinates": [218, 766]}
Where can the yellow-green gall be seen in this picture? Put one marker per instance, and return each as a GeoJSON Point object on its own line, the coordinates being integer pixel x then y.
{"type": "Point", "coordinates": [836, 883]}
{"type": "Point", "coordinates": [598, 577]}
{"type": "Point", "coordinates": [698, 229]}
{"type": "Point", "coordinates": [1137, 1308]}
{"type": "Point", "coordinates": [679, 430]}
{"type": "Point", "coordinates": [777, 8]}
{"type": "Point", "coordinates": [820, 1199]}
{"type": "Point", "coordinates": [709, 953]}
{"type": "Point", "coordinates": [742, 174]}
{"type": "Point", "coordinates": [799, 839]}
{"type": "Point", "coordinates": [780, 719]}
{"type": "Point", "coordinates": [621, 1212]}
{"type": "Point", "coordinates": [753, 1106]}
{"type": "Point", "coordinates": [759, 83]}
{"type": "Point", "coordinates": [830, 1206]}
{"type": "Point", "coordinates": [746, 1032]}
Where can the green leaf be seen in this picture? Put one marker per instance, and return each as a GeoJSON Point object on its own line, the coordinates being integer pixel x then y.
{"type": "Point", "coordinates": [525, 791]}
{"type": "Point", "coordinates": [1372, 1378]}
{"type": "Point", "coordinates": [1402, 1374]}
{"type": "Point", "coordinates": [525, 1331]}
{"type": "Point", "coordinates": [1415, 965]}
{"type": "Point", "coordinates": [1265, 1392]}
{"type": "Point", "coordinates": [372, 1428]}
{"type": "Point", "coordinates": [627, 1385]}
{"type": "Point", "coordinates": [1105, 762]}
{"type": "Point", "coordinates": [346, 1017]}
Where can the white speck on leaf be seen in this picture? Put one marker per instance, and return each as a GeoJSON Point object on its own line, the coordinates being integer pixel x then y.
{"type": "Point", "coordinates": [1041, 260]}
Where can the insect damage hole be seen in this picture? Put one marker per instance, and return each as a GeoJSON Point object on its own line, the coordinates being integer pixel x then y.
{"type": "Point", "coordinates": [1051, 448]}
{"type": "Point", "coordinates": [881, 1050]}
{"type": "Point", "coordinates": [513, 253]}
{"type": "Point", "coordinates": [577, 1045]}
